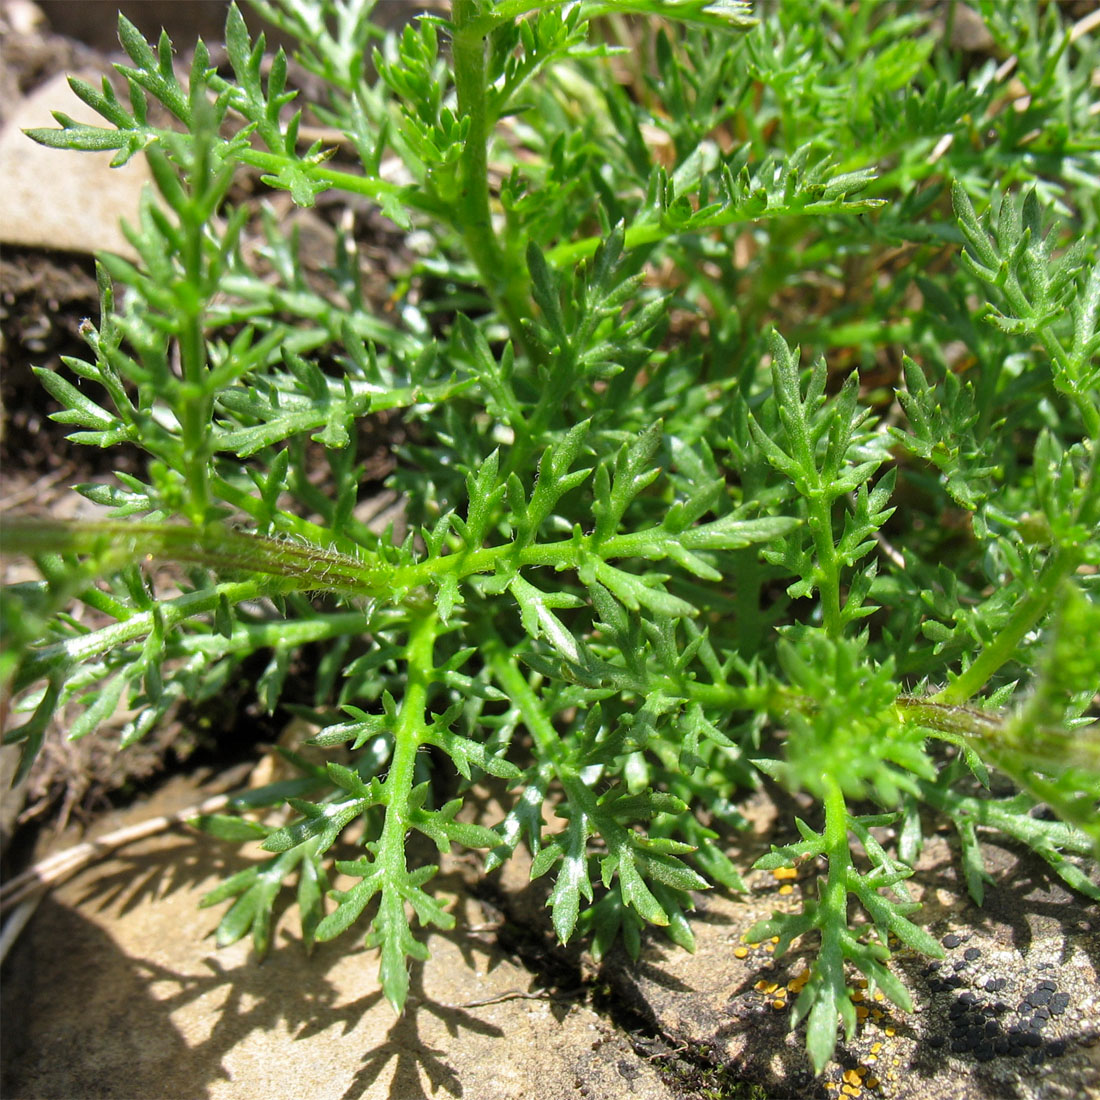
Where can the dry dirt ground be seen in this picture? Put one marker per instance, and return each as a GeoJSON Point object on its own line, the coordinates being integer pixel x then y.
{"type": "Point", "coordinates": [114, 987]}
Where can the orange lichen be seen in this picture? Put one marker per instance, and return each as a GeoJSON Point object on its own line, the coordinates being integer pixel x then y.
{"type": "Point", "coordinates": [796, 983]}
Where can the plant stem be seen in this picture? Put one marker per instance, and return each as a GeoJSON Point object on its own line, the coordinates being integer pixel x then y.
{"type": "Point", "coordinates": [214, 546]}
{"type": "Point", "coordinates": [834, 895]}
{"type": "Point", "coordinates": [366, 186]}
{"type": "Point", "coordinates": [497, 271]}
{"type": "Point", "coordinates": [523, 697]}
{"type": "Point", "coordinates": [397, 788]}
{"type": "Point", "coordinates": [406, 735]}
{"type": "Point", "coordinates": [650, 229]}
{"type": "Point", "coordinates": [1002, 648]}
{"type": "Point", "coordinates": [828, 581]}
{"type": "Point", "coordinates": [171, 613]}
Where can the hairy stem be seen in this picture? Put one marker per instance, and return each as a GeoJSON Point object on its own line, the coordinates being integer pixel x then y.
{"type": "Point", "coordinates": [115, 543]}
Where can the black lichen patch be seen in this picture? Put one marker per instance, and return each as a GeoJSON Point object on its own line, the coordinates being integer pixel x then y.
{"type": "Point", "coordinates": [994, 1018]}
{"type": "Point", "coordinates": [984, 1027]}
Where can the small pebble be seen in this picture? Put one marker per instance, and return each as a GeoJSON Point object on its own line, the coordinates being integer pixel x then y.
{"type": "Point", "coordinates": [972, 953]}
{"type": "Point", "coordinates": [951, 940]}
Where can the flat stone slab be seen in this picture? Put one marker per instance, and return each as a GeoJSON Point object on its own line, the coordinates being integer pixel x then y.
{"type": "Point", "coordinates": [58, 198]}
{"type": "Point", "coordinates": [116, 990]}
{"type": "Point", "coordinates": [1012, 1011]}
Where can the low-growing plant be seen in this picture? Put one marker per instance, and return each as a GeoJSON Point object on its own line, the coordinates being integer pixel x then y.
{"type": "Point", "coordinates": [656, 556]}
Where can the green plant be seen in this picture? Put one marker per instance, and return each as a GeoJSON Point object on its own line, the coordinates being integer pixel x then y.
{"type": "Point", "coordinates": [656, 557]}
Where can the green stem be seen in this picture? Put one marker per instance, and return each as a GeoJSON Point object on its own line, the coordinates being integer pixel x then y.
{"type": "Point", "coordinates": [247, 637]}
{"type": "Point", "coordinates": [171, 613]}
{"type": "Point", "coordinates": [828, 582]}
{"type": "Point", "coordinates": [193, 398]}
{"type": "Point", "coordinates": [523, 697]}
{"type": "Point", "coordinates": [407, 737]}
{"type": "Point", "coordinates": [284, 522]}
{"type": "Point", "coordinates": [834, 895]}
{"type": "Point", "coordinates": [1003, 647]}
{"type": "Point", "coordinates": [539, 725]}
{"type": "Point", "coordinates": [652, 229]}
{"type": "Point", "coordinates": [368, 187]}
{"type": "Point", "coordinates": [498, 275]}
{"type": "Point", "coordinates": [476, 221]}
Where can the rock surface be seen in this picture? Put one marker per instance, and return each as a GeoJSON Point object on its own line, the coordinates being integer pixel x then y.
{"type": "Point", "coordinates": [60, 199]}
{"type": "Point", "coordinates": [1012, 1011]}
{"type": "Point", "coordinates": [116, 990]}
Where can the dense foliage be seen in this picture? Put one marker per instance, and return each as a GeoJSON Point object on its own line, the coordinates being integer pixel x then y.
{"type": "Point", "coordinates": [657, 555]}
